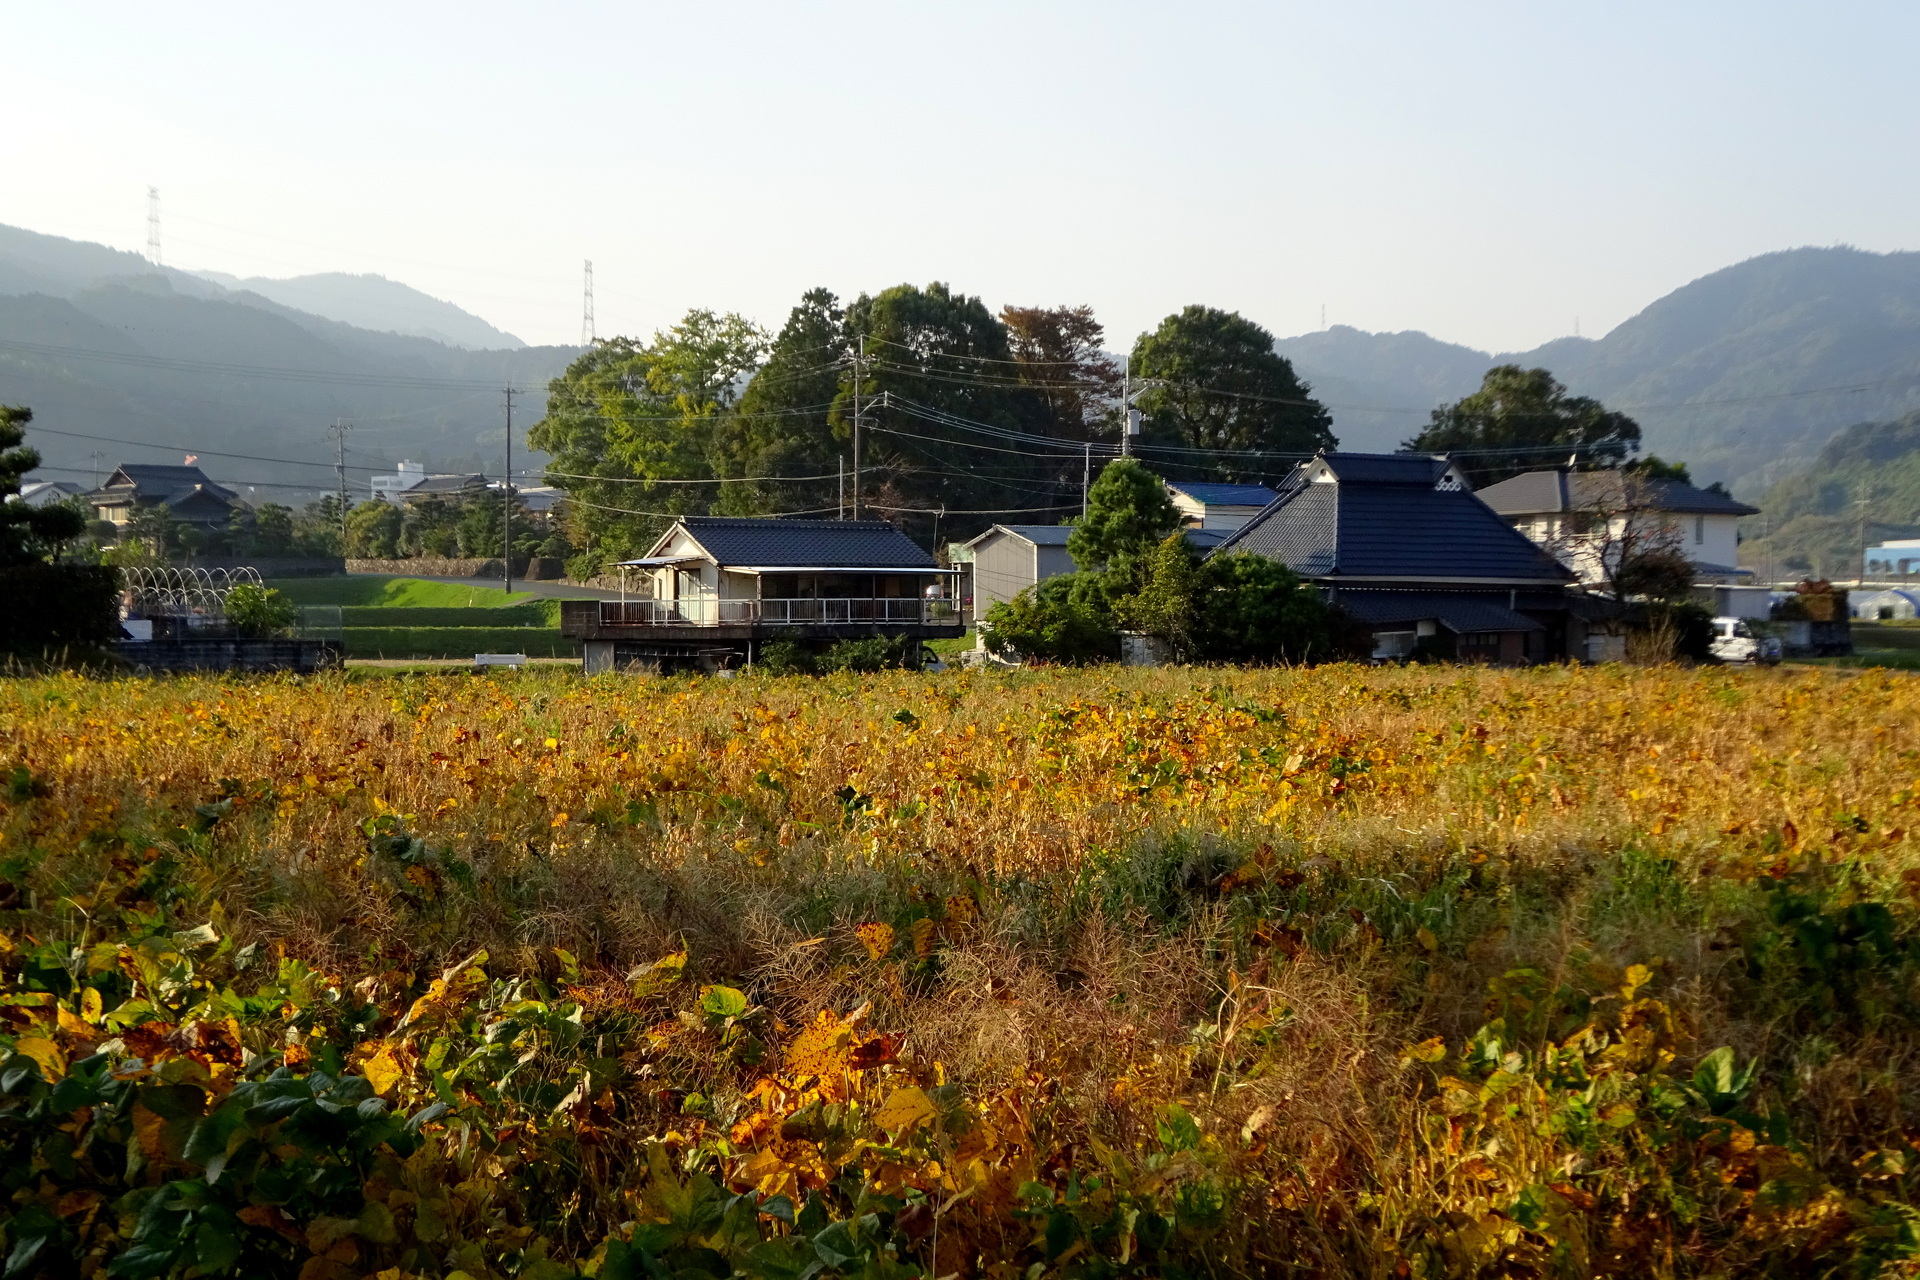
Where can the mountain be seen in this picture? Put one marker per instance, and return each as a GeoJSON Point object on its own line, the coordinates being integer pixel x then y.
{"type": "Point", "coordinates": [377, 303]}
{"type": "Point", "coordinates": [1862, 487]}
{"type": "Point", "coordinates": [139, 365]}
{"type": "Point", "coordinates": [1744, 373]}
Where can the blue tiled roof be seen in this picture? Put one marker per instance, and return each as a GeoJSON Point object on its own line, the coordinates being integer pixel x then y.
{"type": "Point", "coordinates": [826, 544]}
{"type": "Point", "coordinates": [1225, 495]}
{"type": "Point", "coordinates": [1382, 518]}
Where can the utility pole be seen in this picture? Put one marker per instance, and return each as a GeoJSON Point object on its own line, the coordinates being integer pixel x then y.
{"type": "Point", "coordinates": [98, 457]}
{"type": "Point", "coordinates": [859, 363]}
{"type": "Point", "coordinates": [339, 431]}
{"type": "Point", "coordinates": [840, 495]}
{"type": "Point", "coordinates": [153, 226]}
{"type": "Point", "coordinates": [506, 504]}
{"type": "Point", "coordinates": [1086, 476]}
{"type": "Point", "coordinates": [586, 312]}
{"type": "Point", "coordinates": [1130, 424]}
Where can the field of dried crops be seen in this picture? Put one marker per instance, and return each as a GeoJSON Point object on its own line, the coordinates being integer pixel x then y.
{"type": "Point", "coordinates": [1333, 972]}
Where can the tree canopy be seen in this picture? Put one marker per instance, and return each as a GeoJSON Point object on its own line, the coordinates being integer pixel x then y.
{"type": "Point", "coordinates": [782, 428]}
{"type": "Point", "coordinates": [632, 427]}
{"type": "Point", "coordinates": [1216, 383]}
{"type": "Point", "coordinates": [1532, 422]}
{"type": "Point", "coordinates": [939, 355]}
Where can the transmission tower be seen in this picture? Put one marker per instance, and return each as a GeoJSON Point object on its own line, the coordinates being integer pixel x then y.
{"type": "Point", "coordinates": [153, 226]}
{"type": "Point", "coordinates": [586, 309]}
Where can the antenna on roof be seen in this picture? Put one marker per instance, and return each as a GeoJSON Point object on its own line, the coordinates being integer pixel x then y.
{"type": "Point", "coordinates": [153, 226]}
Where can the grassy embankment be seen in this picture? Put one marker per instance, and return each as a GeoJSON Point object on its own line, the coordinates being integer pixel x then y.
{"type": "Point", "coordinates": [1340, 972]}
{"type": "Point", "coordinates": [393, 617]}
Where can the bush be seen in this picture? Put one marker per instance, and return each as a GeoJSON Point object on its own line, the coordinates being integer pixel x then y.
{"type": "Point", "coordinates": [258, 611]}
{"type": "Point", "coordinates": [874, 653]}
{"type": "Point", "coordinates": [784, 658]}
{"type": "Point", "coordinates": [1252, 609]}
{"type": "Point", "coordinates": [1056, 621]}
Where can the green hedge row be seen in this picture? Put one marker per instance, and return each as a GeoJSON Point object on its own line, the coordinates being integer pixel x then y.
{"type": "Point", "coordinates": [542, 613]}
{"type": "Point", "coordinates": [456, 642]}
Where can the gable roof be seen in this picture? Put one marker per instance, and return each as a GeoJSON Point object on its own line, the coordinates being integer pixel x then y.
{"type": "Point", "coordinates": [1390, 517]}
{"type": "Point", "coordinates": [1224, 495]}
{"type": "Point", "coordinates": [1538, 492]}
{"type": "Point", "coordinates": [1040, 535]}
{"type": "Point", "coordinates": [157, 482]}
{"type": "Point", "coordinates": [802, 544]}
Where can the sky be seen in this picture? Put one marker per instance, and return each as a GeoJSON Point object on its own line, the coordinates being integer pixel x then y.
{"type": "Point", "coordinates": [1493, 174]}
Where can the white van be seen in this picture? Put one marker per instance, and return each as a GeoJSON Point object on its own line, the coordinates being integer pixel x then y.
{"type": "Point", "coordinates": [1735, 641]}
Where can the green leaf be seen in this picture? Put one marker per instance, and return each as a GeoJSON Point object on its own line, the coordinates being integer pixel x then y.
{"type": "Point", "coordinates": [723, 1002]}
{"type": "Point", "coordinates": [1176, 1129]}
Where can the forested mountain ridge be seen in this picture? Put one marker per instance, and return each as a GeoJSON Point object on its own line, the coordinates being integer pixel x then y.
{"type": "Point", "coordinates": [1744, 373]}
{"type": "Point", "coordinates": [134, 359]}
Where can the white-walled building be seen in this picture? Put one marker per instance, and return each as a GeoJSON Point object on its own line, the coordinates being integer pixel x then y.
{"type": "Point", "coordinates": [1588, 519]}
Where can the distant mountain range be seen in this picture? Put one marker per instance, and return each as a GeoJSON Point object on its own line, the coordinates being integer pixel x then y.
{"type": "Point", "coordinates": [248, 374]}
{"type": "Point", "coordinates": [1744, 373]}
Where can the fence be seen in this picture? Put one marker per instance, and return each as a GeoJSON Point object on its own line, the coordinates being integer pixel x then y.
{"type": "Point", "coordinates": [706, 611]}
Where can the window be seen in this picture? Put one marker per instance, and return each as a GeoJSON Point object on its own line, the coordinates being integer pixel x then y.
{"type": "Point", "coordinates": [1699, 530]}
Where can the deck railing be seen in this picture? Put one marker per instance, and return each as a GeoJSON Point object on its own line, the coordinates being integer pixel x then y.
{"type": "Point", "coordinates": [706, 611]}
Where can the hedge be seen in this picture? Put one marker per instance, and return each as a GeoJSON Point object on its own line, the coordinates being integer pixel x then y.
{"type": "Point", "coordinates": [56, 607]}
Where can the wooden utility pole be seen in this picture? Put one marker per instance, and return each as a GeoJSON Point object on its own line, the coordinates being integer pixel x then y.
{"type": "Point", "coordinates": [506, 503]}
{"type": "Point", "coordinates": [339, 431]}
{"type": "Point", "coordinates": [859, 367]}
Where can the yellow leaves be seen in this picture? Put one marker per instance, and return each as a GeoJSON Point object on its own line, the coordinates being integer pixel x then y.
{"type": "Point", "coordinates": [44, 1052]}
{"type": "Point", "coordinates": [651, 979]}
{"type": "Point", "coordinates": [1430, 1050]}
{"type": "Point", "coordinates": [825, 1048]}
{"type": "Point", "coordinates": [1637, 976]}
{"type": "Point", "coordinates": [383, 1071]}
{"type": "Point", "coordinates": [1426, 939]}
{"type": "Point", "coordinates": [906, 1109]}
{"type": "Point", "coordinates": [923, 932]}
{"type": "Point", "coordinates": [447, 991]}
{"type": "Point", "coordinates": [876, 937]}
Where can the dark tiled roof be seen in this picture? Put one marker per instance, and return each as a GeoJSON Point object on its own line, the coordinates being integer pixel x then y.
{"type": "Point", "coordinates": [1382, 518]}
{"type": "Point", "coordinates": [1455, 611]}
{"type": "Point", "coordinates": [1205, 539]}
{"type": "Point", "coordinates": [1225, 495]}
{"type": "Point", "coordinates": [825, 544]}
{"type": "Point", "coordinates": [1547, 491]}
{"type": "Point", "coordinates": [155, 481]}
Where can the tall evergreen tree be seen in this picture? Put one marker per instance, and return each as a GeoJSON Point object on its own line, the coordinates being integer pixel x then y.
{"type": "Point", "coordinates": [28, 533]}
{"type": "Point", "coordinates": [941, 356]}
{"type": "Point", "coordinates": [1524, 420]}
{"type": "Point", "coordinates": [782, 427]}
{"type": "Point", "coordinates": [1218, 387]}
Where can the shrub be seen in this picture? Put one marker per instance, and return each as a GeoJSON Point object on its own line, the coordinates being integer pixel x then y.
{"type": "Point", "coordinates": [874, 653]}
{"type": "Point", "coordinates": [784, 658]}
{"type": "Point", "coordinates": [1056, 621]}
{"type": "Point", "coordinates": [261, 611]}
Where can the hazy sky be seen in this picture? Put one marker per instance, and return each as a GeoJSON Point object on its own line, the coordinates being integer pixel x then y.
{"type": "Point", "coordinates": [1485, 172]}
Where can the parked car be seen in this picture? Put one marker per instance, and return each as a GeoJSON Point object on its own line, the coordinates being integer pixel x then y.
{"type": "Point", "coordinates": [1735, 641]}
